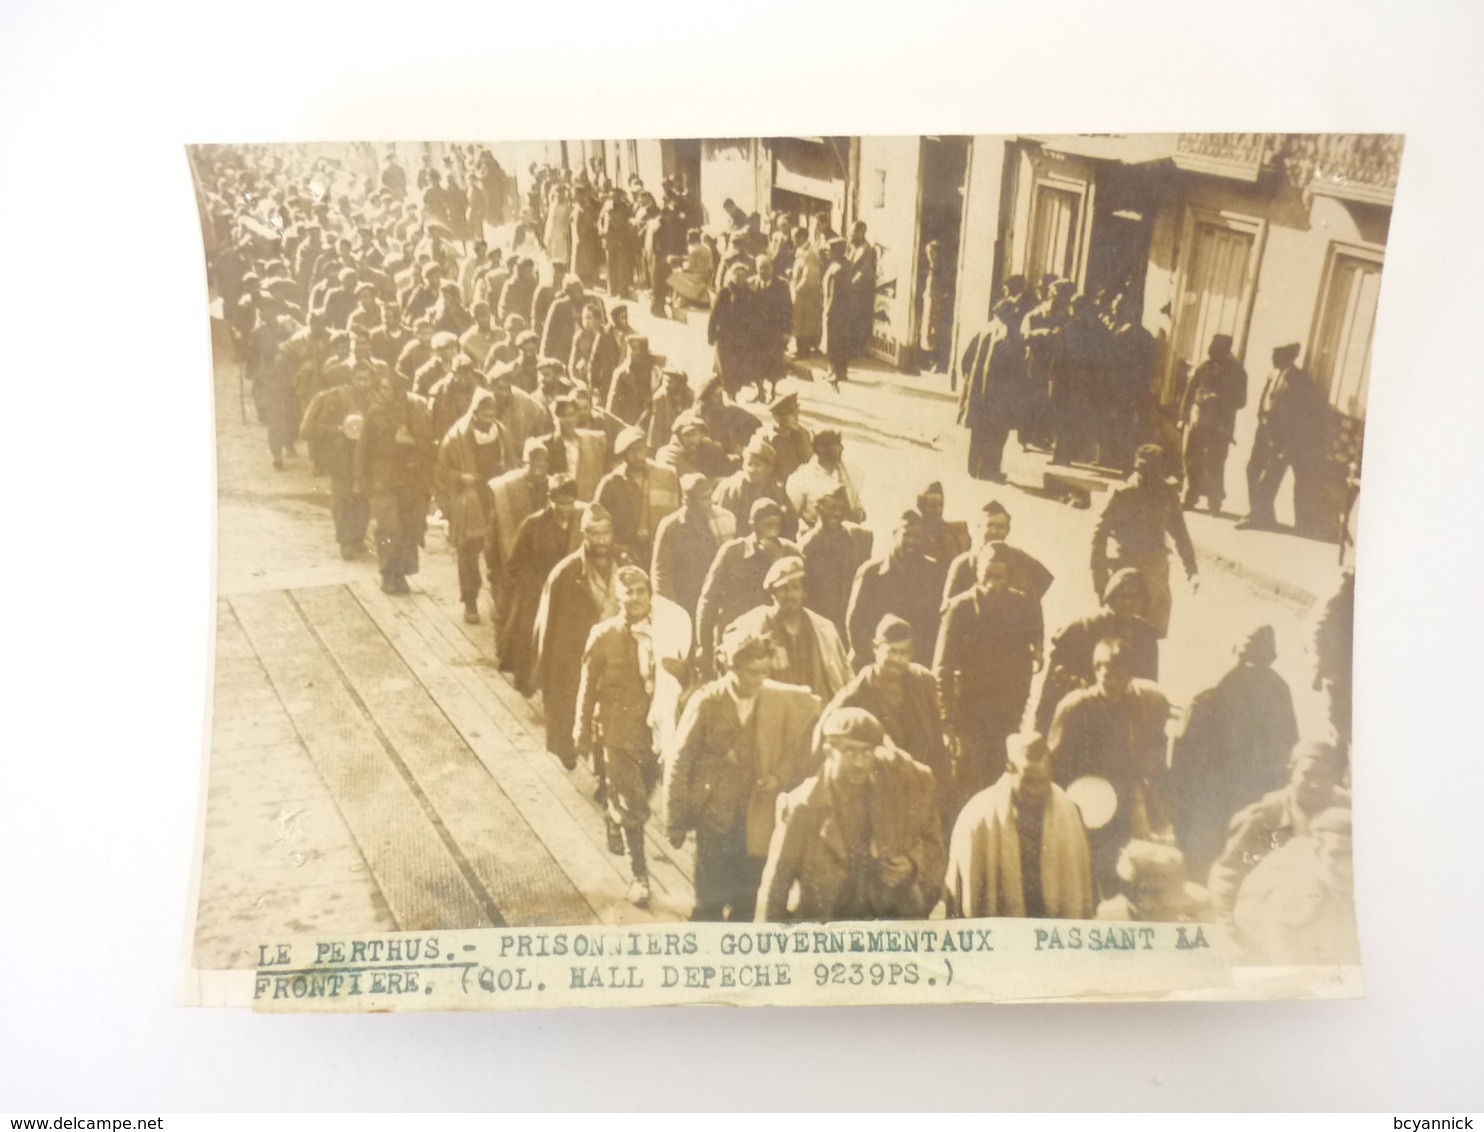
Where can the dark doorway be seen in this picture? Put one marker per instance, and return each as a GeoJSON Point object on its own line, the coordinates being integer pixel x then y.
{"type": "Point", "coordinates": [685, 163]}
{"type": "Point", "coordinates": [945, 164]}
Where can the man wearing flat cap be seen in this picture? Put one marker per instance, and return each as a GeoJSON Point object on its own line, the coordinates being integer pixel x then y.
{"type": "Point", "coordinates": [861, 839]}
{"type": "Point", "coordinates": [1293, 431]}
{"type": "Point", "coordinates": [637, 493]}
{"type": "Point", "coordinates": [734, 583]}
{"type": "Point", "coordinates": [686, 542]}
{"type": "Point", "coordinates": [1132, 531]}
{"type": "Point", "coordinates": [807, 649]}
{"type": "Point", "coordinates": [633, 382]}
{"type": "Point", "coordinates": [743, 739]}
{"type": "Point", "coordinates": [902, 695]}
{"type": "Point", "coordinates": [756, 480]}
{"type": "Point", "coordinates": [1208, 412]}
{"type": "Point", "coordinates": [691, 450]}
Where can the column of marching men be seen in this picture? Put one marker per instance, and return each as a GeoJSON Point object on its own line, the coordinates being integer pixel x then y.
{"type": "Point", "coordinates": [848, 731]}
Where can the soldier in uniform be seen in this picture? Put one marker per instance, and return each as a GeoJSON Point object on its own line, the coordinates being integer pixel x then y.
{"type": "Point", "coordinates": [1137, 519]}
{"type": "Point", "coordinates": [1208, 412]}
{"type": "Point", "coordinates": [756, 480]}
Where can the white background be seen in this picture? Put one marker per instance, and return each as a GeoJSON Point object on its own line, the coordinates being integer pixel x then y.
{"type": "Point", "coordinates": [106, 558]}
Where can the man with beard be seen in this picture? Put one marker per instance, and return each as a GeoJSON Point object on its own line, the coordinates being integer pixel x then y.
{"type": "Point", "coordinates": [904, 697]}
{"type": "Point", "coordinates": [988, 650]}
{"type": "Point", "coordinates": [626, 659]}
{"type": "Point", "coordinates": [807, 649]}
{"type": "Point", "coordinates": [741, 742]}
{"type": "Point", "coordinates": [1137, 519]}
{"type": "Point", "coordinates": [732, 329]}
{"type": "Point", "coordinates": [1125, 602]}
{"type": "Point", "coordinates": [472, 453]}
{"type": "Point", "coordinates": [1027, 574]}
{"type": "Point", "coordinates": [1115, 730]}
{"type": "Point", "coordinates": [1232, 748]}
{"type": "Point", "coordinates": [739, 492]}
{"type": "Point", "coordinates": [686, 542]}
{"type": "Point", "coordinates": [734, 584]}
{"type": "Point", "coordinates": [1208, 411]}
{"type": "Point", "coordinates": [1018, 847]}
{"type": "Point", "coordinates": [862, 839]}
{"type": "Point", "coordinates": [637, 493]}
{"type": "Point", "coordinates": [393, 470]}
{"type": "Point", "coordinates": [833, 551]}
{"type": "Point", "coordinates": [332, 425]}
{"type": "Point", "coordinates": [904, 582]}
{"type": "Point", "coordinates": [990, 399]}
{"type": "Point", "coordinates": [578, 594]}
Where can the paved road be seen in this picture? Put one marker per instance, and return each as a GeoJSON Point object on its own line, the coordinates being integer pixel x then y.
{"type": "Point", "coordinates": [372, 770]}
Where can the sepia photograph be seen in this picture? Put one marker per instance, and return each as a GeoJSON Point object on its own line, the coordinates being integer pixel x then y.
{"type": "Point", "coordinates": [788, 530]}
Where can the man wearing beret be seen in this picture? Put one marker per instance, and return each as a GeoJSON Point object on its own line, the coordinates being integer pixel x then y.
{"type": "Point", "coordinates": [861, 839]}
{"type": "Point", "coordinates": [807, 649]}
{"type": "Point", "coordinates": [742, 740]}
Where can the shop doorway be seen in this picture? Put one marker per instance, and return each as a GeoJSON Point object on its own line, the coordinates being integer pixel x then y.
{"type": "Point", "coordinates": [945, 164]}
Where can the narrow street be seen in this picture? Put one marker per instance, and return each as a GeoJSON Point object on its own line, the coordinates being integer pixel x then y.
{"type": "Point", "coordinates": [372, 769]}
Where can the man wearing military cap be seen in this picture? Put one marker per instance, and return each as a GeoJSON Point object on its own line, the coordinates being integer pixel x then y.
{"type": "Point", "coordinates": [861, 840]}
{"type": "Point", "coordinates": [1292, 432]}
{"type": "Point", "coordinates": [807, 649]}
